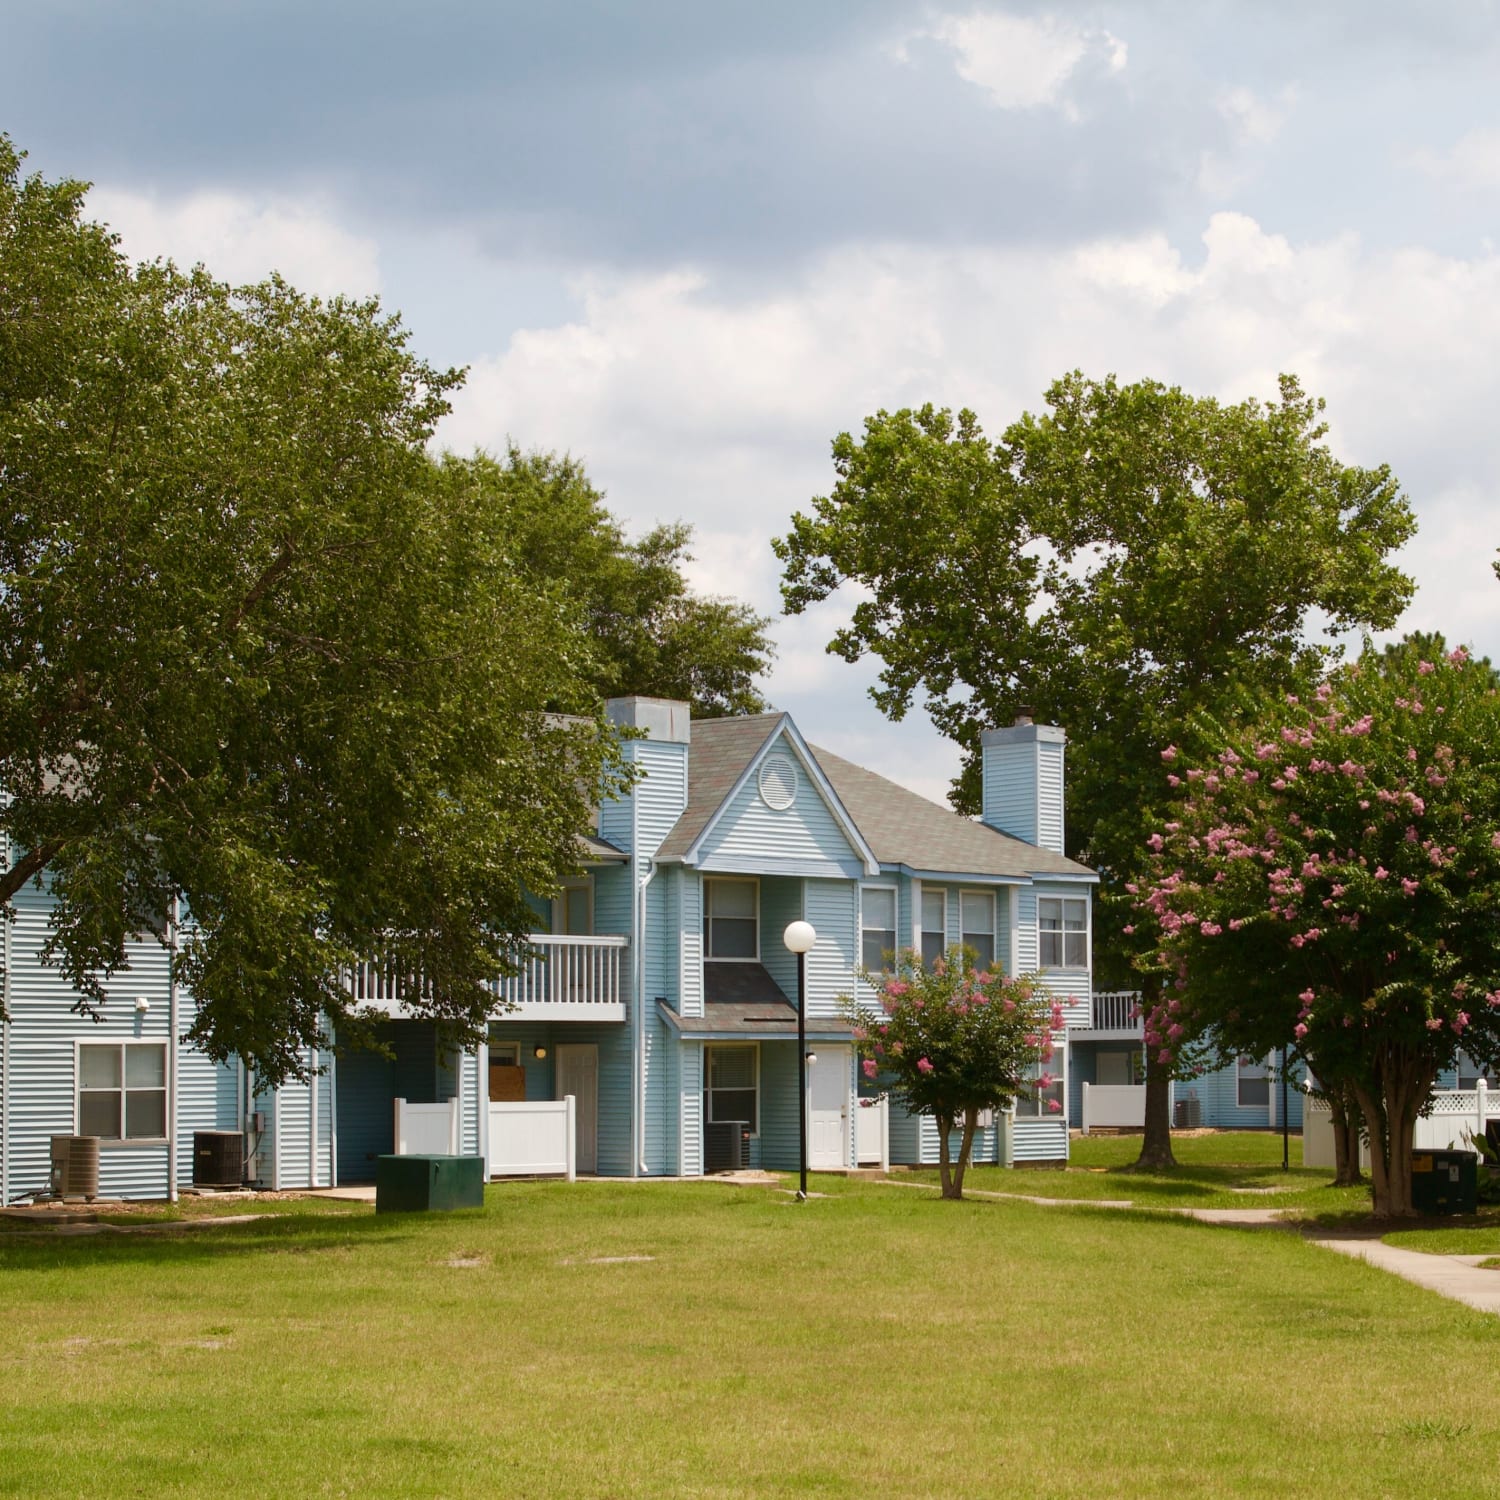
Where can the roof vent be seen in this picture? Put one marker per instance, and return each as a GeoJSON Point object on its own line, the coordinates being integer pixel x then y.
{"type": "Point", "coordinates": [1024, 716]}
{"type": "Point", "coordinates": [778, 782]}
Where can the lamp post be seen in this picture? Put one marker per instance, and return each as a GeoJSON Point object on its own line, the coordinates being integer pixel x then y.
{"type": "Point", "coordinates": [799, 938]}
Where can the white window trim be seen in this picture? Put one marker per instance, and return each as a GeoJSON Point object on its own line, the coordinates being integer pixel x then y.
{"type": "Point", "coordinates": [919, 897]}
{"type": "Point", "coordinates": [1087, 965]}
{"type": "Point", "coordinates": [123, 1142]}
{"type": "Point", "coordinates": [993, 898]}
{"type": "Point", "coordinates": [499, 1048]}
{"type": "Point", "coordinates": [754, 1049]}
{"type": "Point", "coordinates": [894, 929]}
{"type": "Point", "coordinates": [1058, 1067]}
{"type": "Point", "coordinates": [707, 923]}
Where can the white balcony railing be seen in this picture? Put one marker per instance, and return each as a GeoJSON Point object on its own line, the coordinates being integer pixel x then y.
{"type": "Point", "coordinates": [1116, 1010]}
{"type": "Point", "coordinates": [568, 978]}
{"type": "Point", "coordinates": [561, 979]}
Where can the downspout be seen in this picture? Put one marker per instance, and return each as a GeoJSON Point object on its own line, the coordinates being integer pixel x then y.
{"type": "Point", "coordinates": [638, 1166]}
{"type": "Point", "coordinates": [175, 917]}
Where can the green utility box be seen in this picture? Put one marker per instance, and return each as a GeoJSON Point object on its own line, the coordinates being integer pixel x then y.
{"type": "Point", "coordinates": [412, 1184]}
{"type": "Point", "coordinates": [1444, 1182]}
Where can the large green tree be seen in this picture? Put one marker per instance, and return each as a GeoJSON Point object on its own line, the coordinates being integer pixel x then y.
{"type": "Point", "coordinates": [650, 632]}
{"type": "Point", "coordinates": [1116, 564]}
{"type": "Point", "coordinates": [254, 662]}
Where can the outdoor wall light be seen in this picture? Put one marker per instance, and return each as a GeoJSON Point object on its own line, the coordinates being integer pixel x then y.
{"type": "Point", "coordinates": [812, 1057]}
{"type": "Point", "coordinates": [539, 1053]}
{"type": "Point", "coordinates": [142, 1005]}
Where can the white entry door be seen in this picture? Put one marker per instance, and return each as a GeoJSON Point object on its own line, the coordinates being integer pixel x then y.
{"type": "Point", "coordinates": [828, 1108]}
{"type": "Point", "coordinates": [578, 1075]}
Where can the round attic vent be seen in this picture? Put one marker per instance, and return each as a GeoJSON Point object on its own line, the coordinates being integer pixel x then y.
{"type": "Point", "coordinates": [778, 782]}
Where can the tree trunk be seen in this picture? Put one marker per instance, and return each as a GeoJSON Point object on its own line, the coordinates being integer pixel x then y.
{"type": "Point", "coordinates": [945, 1164]}
{"type": "Point", "coordinates": [1156, 1141]}
{"type": "Point", "coordinates": [1345, 1114]}
{"type": "Point", "coordinates": [1400, 1088]}
{"type": "Point", "coordinates": [965, 1150]}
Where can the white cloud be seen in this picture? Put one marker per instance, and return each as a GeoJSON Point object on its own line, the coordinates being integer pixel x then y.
{"type": "Point", "coordinates": [1021, 62]}
{"type": "Point", "coordinates": [241, 239]}
{"type": "Point", "coordinates": [1256, 120]}
{"type": "Point", "coordinates": [683, 400]}
{"type": "Point", "coordinates": [1473, 161]}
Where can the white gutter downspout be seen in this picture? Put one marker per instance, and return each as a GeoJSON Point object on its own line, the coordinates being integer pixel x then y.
{"type": "Point", "coordinates": [638, 1166]}
{"type": "Point", "coordinates": [172, 1052]}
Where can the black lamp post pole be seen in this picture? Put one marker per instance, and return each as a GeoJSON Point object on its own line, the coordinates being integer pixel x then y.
{"type": "Point", "coordinates": [1286, 1127]}
{"type": "Point", "coordinates": [802, 1071]}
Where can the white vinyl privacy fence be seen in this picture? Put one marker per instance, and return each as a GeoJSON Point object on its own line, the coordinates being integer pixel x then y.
{"type": "Point", "coordinates": [1456, 1117]}
{"type": "Point", "coordinates": [537, 1138]}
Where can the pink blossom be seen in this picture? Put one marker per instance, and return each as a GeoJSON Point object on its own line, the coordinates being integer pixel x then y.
{"type": "Point", "coordinates": [923, 1065]}
{"type": "Point", "coordinates": [871, 1067]}
{"type": "Point", "coordinates": [1053, 1107]}
{"type": "Point", "coordinates": [1458, 656]}
{"type": "Point", "coordinates": [1461, 1020]}
{"type": "Point", "coordinates": [1409, 886]}
{"type": "Point", "coordinates": [1299, 1031]}
{"type": "Point", "coordinates": [1170, 753]}
{"type": "Point", "coordinates": [1164, 1057]}
{"type": "Point", "coordinates": [1435, 1024]}
{"type": "Point", "coordinates": [1425, 667]}
{"type": "Point", "coordinates": [895, 988]}
{"type": "Point", "coordinates": [1381, 873]}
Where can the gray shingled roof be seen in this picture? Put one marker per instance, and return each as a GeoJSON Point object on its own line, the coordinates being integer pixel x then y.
{"type": "Point", "coordinates": [738, 1020]}
{"type": "Point", "coordinates": [899, 826]}
{"type": "Point", "coordinates": [718, 753]}
{"type": "Point", "coordinates": [905, 829]}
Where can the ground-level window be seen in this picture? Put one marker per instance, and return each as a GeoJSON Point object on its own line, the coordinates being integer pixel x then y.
{"type": "Point", "coordinates": [731, 927]}
{"type": "Point", "coordinates": [976, 912]}
{"type": "Point", "coordinates": [732, 1085]}
{"type": "Point", "coordinates": [1254, 1082]}
{"type": "Point", "coordinates": [1062, 932]}
{"type": "Point", "coordinates": [877, 927]}
{"type": "Point", "coordinates": [1049, 1100]}
{"type": "Point", "coordinates": [934, 926]}
{"type": "Point", "coordinates": [122, 1090]}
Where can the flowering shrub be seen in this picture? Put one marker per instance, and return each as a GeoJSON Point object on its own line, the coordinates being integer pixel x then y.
{"type": "Point", "coordinates": [1331, 879]}
{"type": "Point", "coordinates": [952, 1040]}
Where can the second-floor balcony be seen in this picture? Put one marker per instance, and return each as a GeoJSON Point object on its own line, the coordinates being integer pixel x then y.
{"type": "Point", "coordinates": [1113, 1014]}
{"type": "Point", "coordinates": [562, 978]}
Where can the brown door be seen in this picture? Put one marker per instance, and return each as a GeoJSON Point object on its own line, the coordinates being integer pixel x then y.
{"type": "Point", "coordinates": [507, 1083]}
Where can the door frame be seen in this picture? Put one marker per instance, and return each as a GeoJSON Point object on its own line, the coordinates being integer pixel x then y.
{"type": "Point", "coordinates": [559, 1052]}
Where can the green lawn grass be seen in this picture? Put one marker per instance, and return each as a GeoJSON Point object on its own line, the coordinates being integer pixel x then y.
{"type": "Point", "coordinates": [1227, 1169]}
{"type": "Point", "coordinates": [674, 1339]}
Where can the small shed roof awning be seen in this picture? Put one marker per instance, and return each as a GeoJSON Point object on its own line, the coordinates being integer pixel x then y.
{"type": "Point", "coordinates": [595, 851]}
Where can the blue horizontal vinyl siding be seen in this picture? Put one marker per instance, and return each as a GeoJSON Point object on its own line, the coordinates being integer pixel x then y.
{"type": "Point", "coordinates": [832, 908]}
{"type": "Point", "coordinates": [750, 836]}
{"type": "Point", "coordinates": [1041, 1140]}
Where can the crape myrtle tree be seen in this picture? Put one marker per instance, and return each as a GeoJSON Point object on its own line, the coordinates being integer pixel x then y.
{"type": "Point", "coordinates": [650, 632]}
{"type": "Point", "coordinates": [951, 1040]}
{"type": "Point", "coordinates": [1330, 877]}
{"type": "Point", "coordinates": [1117, 564]}
{"type": "Point", "coordinates": [254, 663]}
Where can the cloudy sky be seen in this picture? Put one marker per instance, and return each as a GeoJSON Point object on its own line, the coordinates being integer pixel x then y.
{"type": "Point", "coordinates": [691, 242]}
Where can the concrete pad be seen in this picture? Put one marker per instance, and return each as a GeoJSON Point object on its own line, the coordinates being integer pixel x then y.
{"type": "Point", "coordinates": [1455, 1276]}
{"type": "Point", "coordinates": [363, 1192]}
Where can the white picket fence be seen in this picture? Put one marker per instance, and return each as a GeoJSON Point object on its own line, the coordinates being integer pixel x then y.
{"type": "Point", "coordinates": [537, 1138]}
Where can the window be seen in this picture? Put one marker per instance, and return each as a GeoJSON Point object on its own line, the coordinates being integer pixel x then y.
{"type": "Point", "coordinates": [573, 910]}
{"type": "Point", "coordinates": [934, 926]}
{"type": "Point", "coordinates": [732, 1088]}
{"type": "Point", "coordinates": [1050, 1102]}
{"type": "Point", "coordinates": [1254, 1081]}
{"type": "Point", "coordinates": [122, 1090]}
{"type": "Point", "coordinates": [1469, 1072]}
{"type": "Point", "coordinates": [976, 914]}
{"type": "Point", "coordinates": [1062, 932]}
{"type": "Point", "coordinates": [877, 927]}
{"type": "Point", "coordinates": [730, 925]}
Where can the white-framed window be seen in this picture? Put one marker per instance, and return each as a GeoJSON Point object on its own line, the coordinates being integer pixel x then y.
{"type": "Point", "coordinates": [976, 922]}
{"type": "Point", "coordinates": [731, 1084]}
{"type": "Point", "coordinates": [122, 1090]}
{"type": "Point", "coordinates": [731, 919]}
{"type": "Point", "coordinates": [505, 1054]}
{"type": "Point", "coordinates": [1050, 1103]}
{"type": "Point", "coordinates": [934, 925]}
{"type": "Point", "coordinates": [1062, 932]}
{"type": "Point", "coordinates": [1253, 1082]}
{"type": "Point", "coordinates": [573, 907]}
{"type": "Point", "coordinates": [877, 926]}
